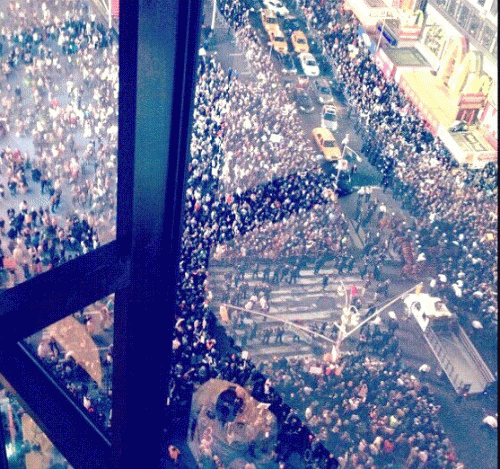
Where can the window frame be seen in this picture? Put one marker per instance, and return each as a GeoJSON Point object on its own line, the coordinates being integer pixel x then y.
{"type": "Point", "coordinates": [158, 49]}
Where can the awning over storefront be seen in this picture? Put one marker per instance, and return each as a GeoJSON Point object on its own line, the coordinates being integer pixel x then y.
{"type": "Point", "coordinates": [369, 12]}
{"type": "Point", "coordinates": [433, 100]}
{"type": "Point", "coordinates": [470, 147]}
{"type": "Point", "coordinates": [385, 64]}
{"type": "Point", "coordinates": [74, 338]}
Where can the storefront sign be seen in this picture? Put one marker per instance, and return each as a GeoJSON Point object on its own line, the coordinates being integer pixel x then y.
{"type": "Point", "coordinates": [472, 101]}
{"type": "Point", "coordinates": [407, 33]}
{"type": "Point", "coordinates": [478, 160]}
{"type": "Point", "coordinates": [487, 156]}
{"type": "Point", "coordinates": [473, 143]}
{"type": "Point", "coordinates": [384, 63]}
{"type": "Point", "coordinates": [434, 39]}
{"type": "Point", "coordinates": [115, 8]}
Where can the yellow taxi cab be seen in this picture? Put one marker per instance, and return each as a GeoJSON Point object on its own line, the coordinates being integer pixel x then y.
{"type": "Point", "coordinates": [278, 42]}
{"type": "Point", "coordinates": [327, 143]}
{"type": "Point", "coordinates": [269, 20]}
{"type": "Point", "coordinates": [299, 41]}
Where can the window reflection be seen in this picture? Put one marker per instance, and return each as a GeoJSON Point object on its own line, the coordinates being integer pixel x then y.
{"type": "Point", "coordinates": [452, 7]}
{"type": "Point", "coordinates": [58, 135]}
{"type": "Point", "coordinates": [474, 26]}
{"type": "Point", "coordinates": [78, 352]}
{"type": "Point", "coordinates": [487, 36]}
{"type": "Point", "coordinates": [26, 445]}
{"type": "Point", "coordinates": [441, 3]}
{"type": "Point", "coordinates": [494, 8]}
{"type": "Point", "coordinates": [463, 16]}
{"type": "Point", "coordinates": [434, 39]}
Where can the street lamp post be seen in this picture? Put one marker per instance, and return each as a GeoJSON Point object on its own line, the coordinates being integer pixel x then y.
{"type": "Point", "coordinates": [346, 319]}
{"type": "Point", "coordinates": [110, 15]}
{"type": "Point", "coordinates": [380, 35]}
{"type": "Point", "coordinates": [358, 158]}
{"type": "Point", "coordinates": [214, 11]}
{"type": "Point", "coordinates": [343, 152]}
{"type": "Point", "coordinates": [341, 160]}
{"type": "Point", "coordinates": [383, 308]}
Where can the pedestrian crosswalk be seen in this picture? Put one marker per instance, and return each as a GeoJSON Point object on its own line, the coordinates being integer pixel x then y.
{"type": "Point", "coordinates": [307, 303]}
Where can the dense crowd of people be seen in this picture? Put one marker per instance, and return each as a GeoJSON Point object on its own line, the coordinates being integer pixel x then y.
{"type": "Point", "coordinates": [202, 349]}
{"type": "Point", "coordinates": [59, 94]}
{"type": "Point", "coordinates": [456, 239]}
{"type": "Point", "coordinates": [235, 222]}
{"type": "Point", "coordinates": [59, 91]}
{"type": "Point", "coordinates": [69, 368]}
{"type": "Point", "coordinates": [254, 190]}
{"type": "Point", "coordinates": [366, 407]}
{"type": "Point", "coordinates": [455, 206]}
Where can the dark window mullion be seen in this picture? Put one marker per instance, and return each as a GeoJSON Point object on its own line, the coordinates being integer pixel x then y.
{"type": "Point", "coordinates": [167, 37]}
{"type": "Point", "coordinates": [51, 296]}
{"type": "Point", "coordinates": [66, 425]}
{"type": "Point", "coordinates": [4, 464]}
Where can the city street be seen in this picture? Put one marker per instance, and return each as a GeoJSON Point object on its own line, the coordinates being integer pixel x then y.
{"type": "Point", "coordinates": [312, 306]}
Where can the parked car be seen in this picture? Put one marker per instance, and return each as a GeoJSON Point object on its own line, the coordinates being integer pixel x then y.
{"type": "Point", "coordinates": [292, 23]}
{"type": "Point", "coordinates": [299, 41]}
{"type": "Point", "coordinates": [314, 47]}
{"type": "Point", "coordinates": [458, 126]}
{"type": "Point", "coordinates": [287, 64]}
{"type": "Point", "coordinates": [324, 66]}
{"type": "Point", "coordinates": [326, 143]}
{"type": "Point", "coordinates": [329, 117]}
{"type": "Point", "coordinates": [345, 184]}
{"type": "Point", "coordinates": [269, 20]}
{"type": "Point", "coordinates": [276, 7]}
{"type": "Point", "coordinates": [322, 91]}
{"type": "Point", "coordinates": [308, 64]}
{"type": "Point", "coordinates": [278, 42]}
{"type": "Point", "coordinates": [304, 101]}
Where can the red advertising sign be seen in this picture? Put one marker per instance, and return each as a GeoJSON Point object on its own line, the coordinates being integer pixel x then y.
{"type": "Point", "coordinates": [384, 63]}
{"type": "Point", "coordinates": [115, 8]}
{"type": "Point", "coordinates": [474, 101]}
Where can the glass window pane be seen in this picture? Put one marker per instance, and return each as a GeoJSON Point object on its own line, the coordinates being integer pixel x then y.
{"type": "Point", "coordinates": [487, 36]}
{"type": "Point", "coordinates": [452, 7]}
{"type": "Point", "coordinates": [279, 279]}
{"type": "Point", "coordinates": [434, 39]}
{"type": "Point", "coordinates": [474, 26]}
{"type": "Point", "coordinates": [494, 8]}
{"type": "Point", "coordinates": [58, 135]}
{"type": "Point", "coordinates": [463, 16]}
{"type": "Point", "coordinates": [78, 352]}
{"type": "Point", "coordinates": [26, 444]}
